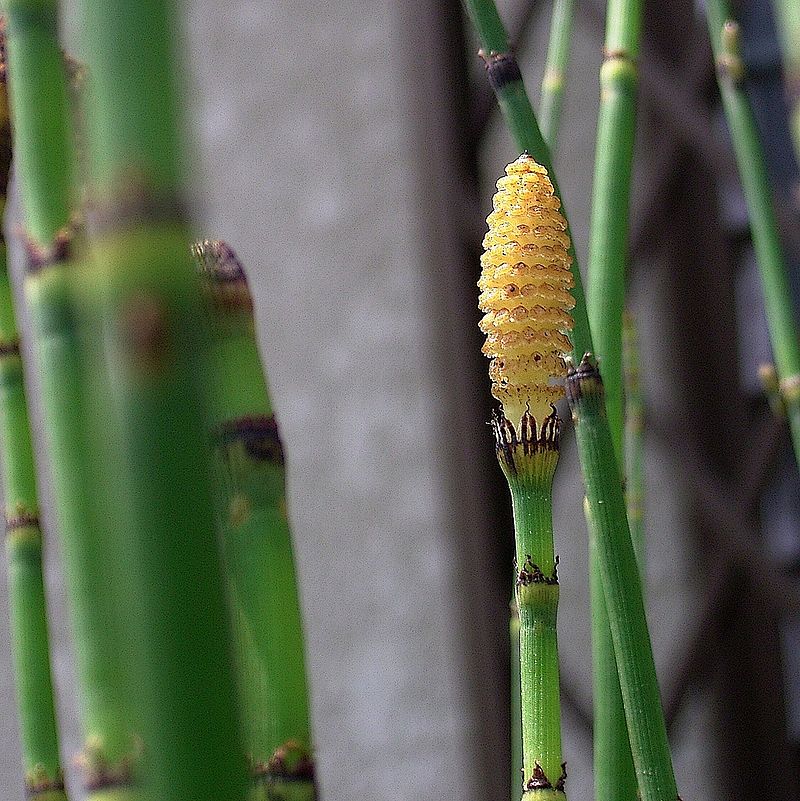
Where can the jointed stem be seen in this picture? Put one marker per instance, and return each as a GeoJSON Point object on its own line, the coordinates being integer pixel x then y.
{"type": "Point", "coordinates": [621, 586]}
{"type": "Point", "coordinates": [250, 473]}
{"type": "Point", "coordinates": [781, 322]}
{"type": "Point", "coordinates": [608, 253]}
{"type": "Point", "coordinates": [43, 149]}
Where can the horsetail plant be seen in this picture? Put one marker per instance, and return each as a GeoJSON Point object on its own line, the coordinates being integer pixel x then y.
{"type": "Point", "coordinates": [608, 255]}
{"type": "Point", "coordinates": [524, 285]}
{"type": "Point", "coordinates": [142, 312]}
{"type": "Point", "coordinates": [555, 71]}
{"type": "Point", "coordinates": [622, 587]}
{"type": "Point", "coordinates": [256, 537]}
{"type": "Point", "coordinates": [29, 630]}
{"type": "Point", "coordinates": [611, 547]}
{"type": "Point", "coordinates": [43, 157]}
{"type": "Point", "coordinates": [783, 333]}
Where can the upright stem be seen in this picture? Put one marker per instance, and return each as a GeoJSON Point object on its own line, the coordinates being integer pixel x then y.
{"type": "Point", "coordinates": [594, 441]}
{"type": "Point", "coordinates": [555, 70]}
{"type": "Point", "coordinates": [621, 586]}
{"type": "Point", "coordinates": [608, 250]}
{"type": "Point", "coordinates": [506, 80]}
{"type": "Point", "coordinates": [142, 317]}
{"type": "Point", "coordinates": [257, 539]}
{"type": "Point", "coordinates": [44, 160]}
{"type": "Point", "coordinates": [788, 23]}
{"type": "Point", "coordinates": [529, 463]}
{"type": "Point", "coordinates": [634, 440]}
{"type": "Point", "coordinates": [28, 611]}
{"type": "Point", "coordinates": [724, 31]}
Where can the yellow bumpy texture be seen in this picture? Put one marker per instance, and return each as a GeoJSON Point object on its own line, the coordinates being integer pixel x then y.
{"type": "Point", "coordinates": [525, 282]}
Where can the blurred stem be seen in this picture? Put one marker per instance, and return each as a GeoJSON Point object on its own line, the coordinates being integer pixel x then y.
{"type": "Point", "coordinates": [725, 42]}
{"type": "Point", "coordinates": [43, 155]}
{"type": "Point", "coordinates": [616, 561]}
{"type": "Point", "coordinates": [26, 592]}
{"type": "Point", "coordinates": [141, 310]}
{"type": "Point", "coordinates": [251, 479]}
{"type": "Point", "coordinates": [555, 71]}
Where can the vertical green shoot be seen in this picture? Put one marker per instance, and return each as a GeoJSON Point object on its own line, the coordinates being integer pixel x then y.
{"type": "Point", "coordinates": [251, 478]}
{"type": "Point", "coordinates": [725, 42]}
{"type": "Point", "coordinates": [43, 154]}
{"type": "Point", "coordinates": [608, 246]}
{"type": "Point", "coordinates": [28, 611]}
{"type": "Point", "coordinates": [616, 561]}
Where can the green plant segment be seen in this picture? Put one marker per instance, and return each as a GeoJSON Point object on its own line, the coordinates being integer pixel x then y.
{"type": "Point", "coordinates": [141, 305]}
{"type": "Point", "coordinates": [787, 13]}
{"type": "Point", "coordinates": [529, 462]}
{"type": "Point", "coordinates": [608, 246]}
{"type": "Point", "coordinates": [724, 31]}
{"type": "Point", "coordinates": [28, 612]}
{"type": "Point", "coordinates": [634, 439]}
{"type": "Point", "coordinates": [614, 554]}
{"type": "Point", "coordinates": [256, 536]}
{"type": "Point", "coordinates": [651, 757]}
{"type": "Point", "coordinates": [555, 71]}
{"type": "Point", "coordinates": [43, 157]}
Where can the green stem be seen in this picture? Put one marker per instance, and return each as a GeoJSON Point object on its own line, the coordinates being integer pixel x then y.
{"type": "Point", "coordinates": [42, 147]}
{"type": "Point", "coordinates": [724, 31]}
{"type": "Point", "coordinates": [529, 462]}
{"type": "Point", "coordinates": [787, 17]}
{"type": "Point", "coordinates": [26, 594]}
{"type": "Point", "coordinates": [621, 584]}
{"type": "Point", "coordinates": [27, 607]}
{"type": "Point", "coordinates": [256, 534]}
{"type": "Point", "coordinates": [555, 70]}
{"type": "Point", "coordinates": [634, 440]}
{"type": "Point", "coordinates": [142, 312]}
{"type": "Point", "coordinates": [608, 245]}
{"type": "Point", "coordinates": [517, 767]}
{"type": "Point", "coordinates": [506, 80]}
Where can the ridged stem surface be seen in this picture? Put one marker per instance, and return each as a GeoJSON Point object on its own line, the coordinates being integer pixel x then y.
{"type": "Point", "coordinates": [555, 71]}
{"type": "Point", "coordinates": [142, 316]}
{"type": "Point", "coordinates": [521, 121]}
{"type": "Point", "coordinates": [608, 253]}
{"type": "Point", "coordinates": [251, 477]}
{"type": "Point", "coordinates": [616, 561]}
{"type": "Point", "coordinates": [787, 18]}
{"type": "Point", "coordinates": [725, 42]}
{"type": "Point", "coordinates": [44, 158]}
{"type": "Point", "coordinates": [530, 479]}
{"type": "Point", "coordinates": [26, 593]}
